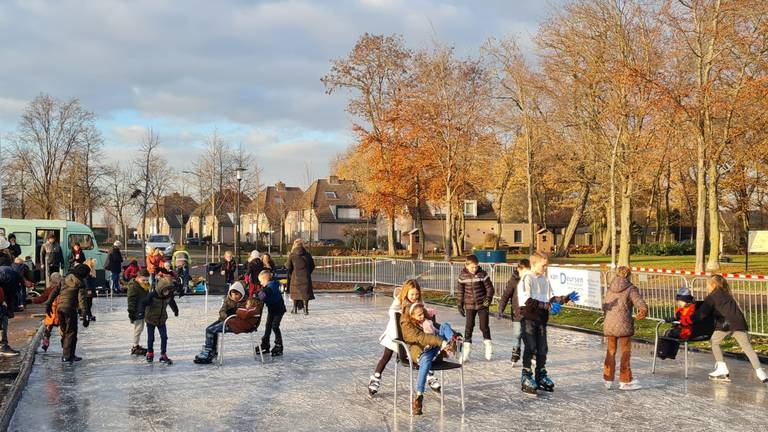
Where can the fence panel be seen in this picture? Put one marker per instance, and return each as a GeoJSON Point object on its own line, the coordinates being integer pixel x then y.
{"type": "Point", "coordinates": [658, 290]}
{"type": "Point", "coordinates": [750, 294]}
{"type": "Point", "coordinates": [394, 271]}
{"type": "Point", "coordinates": [434, 275]}
{"type": "Point", "coordinates": [344, 270]}
{"type": "Point", "coordinates": [500, 276]}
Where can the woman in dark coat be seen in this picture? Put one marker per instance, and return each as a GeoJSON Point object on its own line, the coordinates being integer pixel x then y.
{"type": "Point", "coordinates": [76, 255]}
{"type": "Point", "coordinates": [300, 266]}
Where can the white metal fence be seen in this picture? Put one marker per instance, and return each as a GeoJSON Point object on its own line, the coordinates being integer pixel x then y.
{"type": "Point", "coordinates": [658, 289]}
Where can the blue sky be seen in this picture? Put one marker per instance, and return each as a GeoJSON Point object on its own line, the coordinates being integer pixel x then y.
{"type": "Point", "coordinates": [249, 69]}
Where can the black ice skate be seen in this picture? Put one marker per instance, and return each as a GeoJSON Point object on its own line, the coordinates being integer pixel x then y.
{"type": "Point", "coordinates": [527, 383]}
{"type": "Point", "coordinates": [515, 355]}
{"type": "Point", "coordinates": [206, 356]}
{"type": "Point", "coordinates": [542, 379]}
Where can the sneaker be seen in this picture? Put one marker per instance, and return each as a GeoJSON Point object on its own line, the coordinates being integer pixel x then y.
{"type": "Point", "coordinates": [632, 385]}
{"type": "Point", "coordinates": [46, 342]}
{"type": "Point", "coordinates": [71, 360]}
{"type": "Point", "coordinates": [374, 384]}
{"type": "Point", "coordinates": [164, 359]}
{"type": "Point", "coordinates": [138, 350]}
{"type": "Point", "coordinates": [7, 351]}
{"type": "Point", "coordinates": [150, 356]}
{"type": "Point", "coordinates": [418, 403]}
{"type": "Point", "coordinates": [434, 383]}
{"type": "Point", "coordinates": [608, 385]}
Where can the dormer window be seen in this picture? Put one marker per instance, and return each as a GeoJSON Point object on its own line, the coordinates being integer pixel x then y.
{"type": "Point", "coordinates": [330, 195]}
{"type": "Point", "coordinates": [470, 208]}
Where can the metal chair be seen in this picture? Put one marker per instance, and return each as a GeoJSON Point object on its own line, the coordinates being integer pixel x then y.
{"type": "Point", "coordinates": [700, 338]}
{"type": "Point", "coordinates": [256, 348]}
{"type": "Point", "coordinates": [404, 358]}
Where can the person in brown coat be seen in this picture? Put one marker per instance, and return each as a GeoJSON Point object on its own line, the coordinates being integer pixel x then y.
{"type": "Point", "coordinates": [619, 327]}
{"type": "Point", "coordinates": [300, 266]}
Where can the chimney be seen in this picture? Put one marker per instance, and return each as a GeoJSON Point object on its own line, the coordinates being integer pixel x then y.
{"type": "Point", "coordinates": [280, 186]}
{"type": "Point", "coordinates": [334, 180]}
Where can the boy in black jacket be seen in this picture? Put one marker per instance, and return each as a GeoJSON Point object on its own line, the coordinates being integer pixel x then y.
{"type": "Point", "coordinates": [475, 293]}
{"type": "Point", "coordinates": [510, 294]}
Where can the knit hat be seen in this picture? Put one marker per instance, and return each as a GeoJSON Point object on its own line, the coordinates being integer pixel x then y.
{"type": "Point", "coordinates": [684, 294]}
{"type": "Point", "coordinates": [143, 272]}
{"type": "Point", "coordinates": [117, 244]}
{"type": "Point", "coordinates": [254, 255]}
{"type": "Point", "coordinates": [81, 271]}
{"type": "Point", "coordinates": [237, 286]}
{"type": "Point", "coordinates": [4, 243]}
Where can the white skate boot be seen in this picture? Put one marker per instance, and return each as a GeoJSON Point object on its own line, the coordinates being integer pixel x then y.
{"type": "Point", "coordinates": [761, 375]}
{"type": "Point", "coordinates": [720, 373]}
{"type": "Point", "coordinates": [488, 349]}
{"type": "Point", "coordinates": [466, 348]}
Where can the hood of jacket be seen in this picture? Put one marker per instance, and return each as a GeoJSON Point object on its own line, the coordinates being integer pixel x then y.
{"type": "Point", "coordinates": [72, 281]}
{"type": "Point", "coordinates": [619, 284]}
{"type": "Point", "coordinates": [237, 286]}
{"type": "Point", "coordinates": [164, 287]}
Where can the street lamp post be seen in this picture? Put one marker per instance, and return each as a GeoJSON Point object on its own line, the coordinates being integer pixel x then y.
{"type": "Point", "coordinates": [239, 172]}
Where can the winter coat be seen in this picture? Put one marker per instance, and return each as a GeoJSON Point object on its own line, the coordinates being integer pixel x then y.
{"type": "Point", "coordinates": [270, 294]}
{"type": "Point", "coordinates": [727, 314]}
{"type": "Point", "coordinates": [131, 272]}
{"type": "Point", "coordinates": [10, 280]}
{"type": "Point", "coordinates": [617, 305]}
{"type": "Point", "coordinates": [229, 268]}
{"type": "Point", "coordinates": [246, 320]}
{"type": "Point", "coordinates": [230, 307]}
{"type": "Point", "coordinates": [255, 267]}
{"type": "Point", "coordinates": [534, 294]}
{"type": "Point", "coordinates": [474, 289]}
{"type": "Point", "coordinates": [51, 254]}
{"type": "Point", "coordinates": [510, 294]}
{"type": "Point", "coordinates": [155, 263]}
{"type": "Point", "coordinates": [114, 261]}
{"type": "Point", "coordinates": [15, 250]}
{"type": "Point", "coordinates": [71, 295]}
{"type": "Point", "coordinates": [156, 303]}
{"type": "Point", "coordinates": [76, 257]}
{"type": "Point", "coordinates": [685, 316]}
{"type": "Point", "coordinates": [52, 319]}
{"type": "Point", "coordinates": [418, 341]}
{"type": "Point", "coordinates": [136, 296]}
{"type": "Point", "coordinates": [387, 339]}
{"type": "Point", "coordinates": [300, 267]}
{"type": "Point", "coordinates": [5, 258]}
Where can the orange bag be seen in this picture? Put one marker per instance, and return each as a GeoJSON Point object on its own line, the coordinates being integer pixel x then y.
{"type": "Point", "coordinates": [53, 318]}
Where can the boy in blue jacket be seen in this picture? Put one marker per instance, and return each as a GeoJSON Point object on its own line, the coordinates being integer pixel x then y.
{"type": "Point", "coordinates": [269, 292]}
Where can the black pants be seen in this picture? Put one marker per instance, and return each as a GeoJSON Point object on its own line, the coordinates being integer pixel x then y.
{"type": "Point", "coordinates": [385, 358]}
{"type": "Point", "coordinates": [274, 316]}
{"type": "Point", "coordinates": [68, 328]}
{"type": "Point", "coordinates": [470, 324]}
{"type": "Point", "coordinates": [535, 340]}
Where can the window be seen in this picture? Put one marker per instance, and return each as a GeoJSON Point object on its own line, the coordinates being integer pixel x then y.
{"type": "Point", "coordinates": [518, 236]}
{"type": "Point", "coordinates": [158, 239]}
{"type": "Point", "coordinates": [23, 238]}
{"type": "Point", "coordinates": [543, 238]}
{"type": "Point", "coordinates": [470, 208]}
{"type": "Point", "coordinates": [330, 195]}
{"type": "Point", "coordinates": [278, 200]}
{"type": "Point", "coordinates": [348, 213]}
{"type": "Point", "coordinates": [85, 240]}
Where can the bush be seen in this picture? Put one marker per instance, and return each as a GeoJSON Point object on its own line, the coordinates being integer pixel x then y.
{"type": "Point", "coordinates": [664, 249]}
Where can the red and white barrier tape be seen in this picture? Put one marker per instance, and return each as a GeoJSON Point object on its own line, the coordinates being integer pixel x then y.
{"type": "Point", "coordinates": [676, 272]}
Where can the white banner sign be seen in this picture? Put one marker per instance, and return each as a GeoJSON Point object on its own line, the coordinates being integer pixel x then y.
{"type": "Point", "coordinates": [587, 283]}
{"type": "Point", "coordinates": [758, 241]}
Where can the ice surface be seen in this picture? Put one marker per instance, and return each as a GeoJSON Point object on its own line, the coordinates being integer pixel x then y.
{"type": "Point", "coordinates": [320, 383]}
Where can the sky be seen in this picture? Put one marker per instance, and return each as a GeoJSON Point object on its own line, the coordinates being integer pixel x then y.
{"type": "Point", "coordinates": [249, 70]}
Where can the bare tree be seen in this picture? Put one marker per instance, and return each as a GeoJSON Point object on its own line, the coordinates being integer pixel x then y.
{"type": "Point", "coordinates": [118, 194]}
{"type": "Point", "coordinates": [148, 160]}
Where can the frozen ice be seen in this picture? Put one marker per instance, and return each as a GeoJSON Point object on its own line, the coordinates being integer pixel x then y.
{"type": "Point", "coordinates": [321, 382]}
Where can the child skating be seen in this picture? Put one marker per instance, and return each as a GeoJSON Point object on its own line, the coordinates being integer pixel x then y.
{"type": "Point", "coordinates": [233, 301]}
{"type": "Point", "coordinates": [269, 293]}
{"type": "Point", "coordinates": [510, 295]}
{"type": "Point", "coordinates": [155, 316]}
{"type": "Point", "coordinates": [475, 293]}
{"type": "Point", "coordinates": [138, 289]}
{"type": "Point", "coordinates": [536, 302]}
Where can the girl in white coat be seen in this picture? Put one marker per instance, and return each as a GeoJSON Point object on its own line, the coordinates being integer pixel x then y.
{"type": "Point", "coordinates": [409, 294]}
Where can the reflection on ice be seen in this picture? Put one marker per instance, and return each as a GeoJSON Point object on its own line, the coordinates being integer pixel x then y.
{"type": "Point", "coordinates": [320, 383]}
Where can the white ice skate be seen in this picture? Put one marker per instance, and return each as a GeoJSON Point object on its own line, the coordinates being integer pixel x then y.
{"type": "Point", "coordinates": [374, 384]}
{"type": "Point", "coordinates": [488, 349]}
{"type": "Point", "coordinates": [608, 385]}
{"type": "Point", "coordinates": [720, 373]}
{"type": "Point", "coordinates": [632, 385]}
{"type": "Point", "coordinates": [761, 375]}
{"type": "Point", "coordinates": [466, 348]}
{"type": "Point", "coordinates": [434, 383]}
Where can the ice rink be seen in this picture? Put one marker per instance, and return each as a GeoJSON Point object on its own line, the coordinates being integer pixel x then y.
{"type": "Point", "coordinates": [321, 382]}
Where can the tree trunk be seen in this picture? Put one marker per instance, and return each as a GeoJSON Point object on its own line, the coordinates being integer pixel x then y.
{"type": "Point", "coordinates": [573, 223]}
{"type": "Point", "coordinates": [701, 203]}
{"type": "Point", "coordinates": [667, 228]}
{"type": "Point", "coordinates": [391, 234]}
{"type": "Point", "coordinates": [448, 222]}
{"type": "Point", "coordinates": [529, 184]}
{"type": "Point", "coordinates": [713, 264]}
{"type": "Point", "coordinates": [606, 241]}
{"type": "Point", "coordinates": [626, 221]}
{"type": "Point", "coordinates": [419, 221]}
{"type": "Point", "coordinates": [612, 212]}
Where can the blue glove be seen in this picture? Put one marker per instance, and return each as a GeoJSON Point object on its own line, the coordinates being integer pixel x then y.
{"type": "Point", "coordinates": [574, 296]}
{"type": "Point", "coordinates": [555, 308]}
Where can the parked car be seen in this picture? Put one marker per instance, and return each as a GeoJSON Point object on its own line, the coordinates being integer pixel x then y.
{"type": "Point", "coordinates": [162, 241]}
{"type": "Point", "coordinates": [133, 242]}
{"type": "Point", "coordinates": [192, 241]}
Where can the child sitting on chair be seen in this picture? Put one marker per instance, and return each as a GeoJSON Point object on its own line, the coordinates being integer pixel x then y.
{"type": "Point", "coordinates": [684, 309]}
{"type": "Point", "coordinates": [248, 317]}
{"type": "Point", "coordinates": [426, 349]}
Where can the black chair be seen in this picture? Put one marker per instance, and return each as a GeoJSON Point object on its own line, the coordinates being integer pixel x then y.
{"type": "Point", "coordinates": [684, 342]}
{"type": "Point", "coordinates": [404, 359]}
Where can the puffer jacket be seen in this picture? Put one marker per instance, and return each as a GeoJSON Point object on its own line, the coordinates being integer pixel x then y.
{"type": "Point", "coordinates": [155, 263]}
{"type": "Point", "coordinates": [387, 339]}
{"type": "Point", "coordinates": [71, 295]}
{"type": "Point", "coordinates": [474, 289]}
{"type": "Point", "coordinates": [622, 295]}
{"type": "Point", "coordinates": [418, 341]}
{"type": "Point", "coordinates": [136, 295]}
{"type": "Point", "coordinates": [156, 303]}
{"type": "Point", "coordinates": [510, 294]}
{"type": "Point", "coordinates": [726, 312]}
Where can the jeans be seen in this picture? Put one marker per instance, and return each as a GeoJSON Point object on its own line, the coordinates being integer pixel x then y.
{"type": "Point", "coordinates": [427, 357]}
{"type": "Point", "coordinates": [470, 324]}
{"type": "Point", "coordinates": [517, 334]}
{"type": "Point", "coordinates": [163, 330]}
{"type": "Point", "coordinates": [609, 366]}
{"type": "Point", "coordinates": [535, 340]}
{"type": "Point", "coordinates": [212, 335]}
{"type": "Point", "coordinates": [274, 316]}
{"type": "Point", "coordinates": [4, 324]}
{"type": "Point", "coordinates": [115, 282]}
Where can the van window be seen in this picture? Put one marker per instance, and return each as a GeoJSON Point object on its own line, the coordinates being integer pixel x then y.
{"type": "Point", "coordinates": [86, 241]}
{"type": "Point", "coordinates": [23, 238]}
{"type": "Point", "coordinates": [2, 232]}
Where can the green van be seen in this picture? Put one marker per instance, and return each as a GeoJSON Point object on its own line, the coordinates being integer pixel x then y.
{"type": "Point", "coordinates": [32, 233]}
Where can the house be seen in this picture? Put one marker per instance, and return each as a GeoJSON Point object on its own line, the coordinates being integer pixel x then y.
{"type": "Point", "coordinates": [264, 220]}
{"type": "Point", "coordinates": [328, 210]}
{"type": "Point", "coordinates": [169, 216]}
{"type": "Point", "coordinates": [215, 217]}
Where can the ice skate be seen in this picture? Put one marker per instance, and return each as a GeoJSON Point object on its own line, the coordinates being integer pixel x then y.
{"type": "Point", "coordinates": [515, 356]}
{"type": "Point", "coordinates": [277, 351]}
{"type": "Point", "coordinates": [206, 356]}
{"type": "Point", "coordinates": [416, 408]}
{"type": "Point", "coordinates": [45, 344]}
{"type": "Point", "coordinates": [374, 384]}
{"type": "Point", "coordinates": [466, 349]}
{"type": "Point", "coordinates": [7, 351]}
{"type": "Point", "coordinates": [434, 383]}
{"type": "Point", "coordinates": [527, 383]}
{"type": "Point", "coordinates": [488, 349]}
{"type": "Point", "coordinates": [543, 380]}
{"type": "Point", "coordinates": [720, 373]}
{"type": "Point", "coordinates": [138, 350]}
{"type": "Point", "coordinates": [150, 356]}
{"type": "Point", "coordinates": [761, 375]}
{"type": "Point", "coordinates": [164, 359]}
{"type": "Point", "coordinates": [608, 385]}
{"type": "Point", "coordinates": [632, 385]}
{"type": "Point", "coordinates": [264, 347]}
